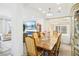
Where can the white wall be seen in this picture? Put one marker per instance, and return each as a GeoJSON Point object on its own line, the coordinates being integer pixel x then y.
{"type": "Point", "coordinates": [18, 14]}
{"type": "Point", "coordinates": [4, 26]}
{"type": "Point", "coordinates": [66, 21]}
{"type": "Point", "coordinates": [0, 26]}
{"type": "Point", "coordinates": [14, 11]}
{"type": "Point", "coordinates": [30, 13]}
{"type": "Point", "coordinates": [17, 31]}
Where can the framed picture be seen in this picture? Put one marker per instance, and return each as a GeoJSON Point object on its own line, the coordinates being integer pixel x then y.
{"type": "Point", "coordinates": [30, 25]}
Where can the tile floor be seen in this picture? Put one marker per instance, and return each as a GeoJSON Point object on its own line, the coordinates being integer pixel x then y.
{"type": "Point", "coordinates": [65, 50]}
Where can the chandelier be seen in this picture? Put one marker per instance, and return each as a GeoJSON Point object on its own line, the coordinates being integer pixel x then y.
{"type": "Point", "coordinates": [49, 14]}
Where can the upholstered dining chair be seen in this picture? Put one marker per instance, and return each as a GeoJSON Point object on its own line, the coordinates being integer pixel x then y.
{"type": "Point", "coordinates": [31, 47]}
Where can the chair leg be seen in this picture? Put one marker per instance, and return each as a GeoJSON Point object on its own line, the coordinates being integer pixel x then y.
{"type": "Point", "coordinates": [57, 52]}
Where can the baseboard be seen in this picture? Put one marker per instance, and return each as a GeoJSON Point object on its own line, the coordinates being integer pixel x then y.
{"type": "Point", "coordinates": [66, 43]}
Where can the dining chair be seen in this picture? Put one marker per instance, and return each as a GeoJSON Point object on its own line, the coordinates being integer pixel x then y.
{"type": "Point", "coordinates": [31, 47]}
{"type": "Point", "coordinates": [58, 45]}
{"type": "Point", "coordinates": [42, 35]}
{"type": "Point", "coordinates": [52, 52]}
{"type": "Point", "coordinates": [24, 35]}
{"type": "Point", "coordinates": [36, 37]}
{"type": "Point", "coordinates": [56, 48]}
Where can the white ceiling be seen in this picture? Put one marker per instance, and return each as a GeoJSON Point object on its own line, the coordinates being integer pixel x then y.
{"type": "Point", "coordinates": [65, 8]}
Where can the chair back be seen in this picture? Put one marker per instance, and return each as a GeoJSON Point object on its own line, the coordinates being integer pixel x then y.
{"type": "Point", "coordinates": [36, 37]}
{"type": "Point", "coordinates": [42, 35]}
{"type": "Point", "coordinates": [30, 45]}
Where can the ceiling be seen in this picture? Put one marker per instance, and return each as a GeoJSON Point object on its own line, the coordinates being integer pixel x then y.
{"type": "Point", "coordinates": [56, 9]}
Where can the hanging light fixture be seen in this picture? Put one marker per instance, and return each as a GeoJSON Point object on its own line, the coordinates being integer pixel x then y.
{"type": "Point", "coordinates": [49, 14]}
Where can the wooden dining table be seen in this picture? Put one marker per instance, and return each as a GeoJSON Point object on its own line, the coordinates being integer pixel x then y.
{"type": "Point", "coordinates": [50, 43]}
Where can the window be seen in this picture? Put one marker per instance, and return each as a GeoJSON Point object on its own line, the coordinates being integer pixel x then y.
{"type": "Point", "coordinates": [61, 29]}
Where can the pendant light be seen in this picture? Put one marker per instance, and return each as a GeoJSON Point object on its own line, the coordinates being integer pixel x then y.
{"type": "Point", "coordinates": [49, 14]}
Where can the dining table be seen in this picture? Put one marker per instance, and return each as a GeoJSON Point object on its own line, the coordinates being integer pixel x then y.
{"type": "Point", "coordinates": [49, 43]}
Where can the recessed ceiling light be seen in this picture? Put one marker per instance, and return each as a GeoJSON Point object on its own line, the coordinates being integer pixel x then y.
{"type": "Point", "coordinates": [43, 11]}
{"type": "Point", "coordinates": [58, 3]}
{"type": "Point", "coordinates": [40, 9]}
{"type": "Point", "coordinates": [59, 8]}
